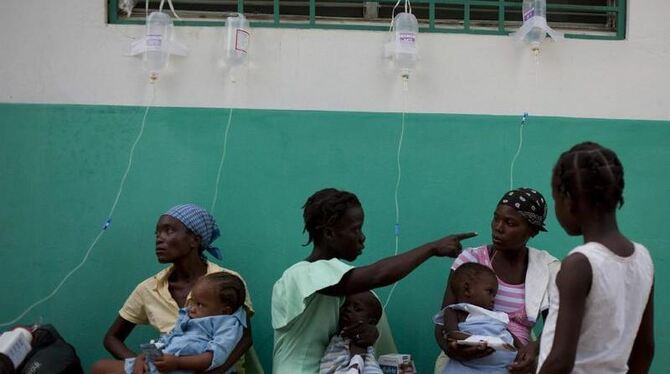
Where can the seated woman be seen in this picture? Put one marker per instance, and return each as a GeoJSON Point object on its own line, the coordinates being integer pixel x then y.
{"type": "Point", "coordinates": [474, 321]}
{"type": "Point", "coordinates": [183, 234]}
{"type": "Point", "coordinates": [306, 299]}
{"type": "Point", "coordinates": [204, 336]}
{"type": "Point", "coordinates": [524, 277]}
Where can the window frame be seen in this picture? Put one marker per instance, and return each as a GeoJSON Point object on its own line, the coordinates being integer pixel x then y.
{"type": "Point", "coordinates": [503, 27]}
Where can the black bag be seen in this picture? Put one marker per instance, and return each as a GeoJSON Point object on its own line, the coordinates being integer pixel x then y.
{"type": "Point", "coordinates": [6, 365]}
{"type": "Point", "coordinates": [51, 354]}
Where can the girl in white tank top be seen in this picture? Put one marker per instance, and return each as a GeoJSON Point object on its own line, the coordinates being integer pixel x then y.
{"type": "Point", "coordinates": [600, 315]}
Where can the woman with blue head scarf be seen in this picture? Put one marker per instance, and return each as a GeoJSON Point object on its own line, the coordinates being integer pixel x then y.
{"type": "Point", "coordinates": [183, 234]}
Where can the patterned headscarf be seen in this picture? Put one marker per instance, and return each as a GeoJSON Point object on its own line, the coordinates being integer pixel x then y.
{"type": "Point", "coordinates": [529, 203]}
{"type": "Point", "coordinates": [201, 223]}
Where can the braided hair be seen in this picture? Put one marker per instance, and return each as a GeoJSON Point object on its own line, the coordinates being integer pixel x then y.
{"type": "Point", "coordinates": [323, 209]}
{"type": "Point", "coordinates": [231, 288]}
{"type": "Point", "coordinates": [593, 172]}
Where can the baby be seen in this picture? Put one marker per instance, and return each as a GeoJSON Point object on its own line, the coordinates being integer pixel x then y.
{"type": "Point", "coordinates": [343, 355]}
{"type": "Point", "coordinates": [203, 337]}
{"type": "Point", "coordinates": [473, 321]}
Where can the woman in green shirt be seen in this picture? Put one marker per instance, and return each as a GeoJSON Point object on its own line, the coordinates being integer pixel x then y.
{"type": "Point", "coordinates": [307, 297]}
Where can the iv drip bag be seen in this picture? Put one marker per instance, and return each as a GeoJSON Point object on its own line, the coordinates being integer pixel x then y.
{"type": "Point", "coordinates": [236, 42]}
{"type": "Point", "coordinates": [156, 54]}
{"type": "Point", "coordinates": [403, 47]}
{"type": "Point", "coordinates": [535, 28]}
{"type": "Point", "coordinates": [158, 44]}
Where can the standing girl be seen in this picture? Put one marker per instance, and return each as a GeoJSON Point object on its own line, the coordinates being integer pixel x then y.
{"type": "Point", "coordinates": [601, 320]}
{"type": "Point", "coordinates": [306, 300]}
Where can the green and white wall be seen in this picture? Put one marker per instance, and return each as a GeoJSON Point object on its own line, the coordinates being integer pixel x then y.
{"type": "Point", "coordinates": [313, 108]}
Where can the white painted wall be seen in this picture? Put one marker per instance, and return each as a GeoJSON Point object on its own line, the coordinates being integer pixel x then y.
{"type": "Point", "coordinates": [64, 52]}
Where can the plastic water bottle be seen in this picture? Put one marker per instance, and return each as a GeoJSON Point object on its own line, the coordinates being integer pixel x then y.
{"type": "Point", "coordinates": [157, 39]}
{"type": "Point", "coordinates": [15, 344]}
{"type": "Point", "coordinates": [236, 44]}
{"type": "Point", "coordinates": [530, 9]}
{"type": "Point", "coordinates": [406, 29]}
{"type": "Point", "coordinates": [151, 350]}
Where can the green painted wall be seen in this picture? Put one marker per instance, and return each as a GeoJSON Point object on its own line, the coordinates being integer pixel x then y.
{"type": "Point", "coordinates": [61, 167]}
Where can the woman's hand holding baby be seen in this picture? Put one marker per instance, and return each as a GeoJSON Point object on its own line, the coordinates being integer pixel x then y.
{"type": "Point", "coordinates": [361, 334]}
{"type": "Point", "coordinates": [140, 366]}
{"type": "Point", "coordinates": [167, 363]}
{"type": "Point", "coordinates": [526, 359]}
{"type": "Point", "coordinates": [467, 352]}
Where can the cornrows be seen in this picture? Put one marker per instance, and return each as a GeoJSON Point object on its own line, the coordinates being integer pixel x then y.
{"type": "Point", "coordinates": [324, 208]}
{"type": "Point", "coordinates": [231, 288]}
{"type": "Point", "coordinates": [589, 170]}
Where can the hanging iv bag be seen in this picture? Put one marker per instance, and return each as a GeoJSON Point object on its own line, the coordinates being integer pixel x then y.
{"type": "Point", "coordinates": [403, 47]}
{"type": "Point", "coordinates": [530, 9]}
{"type": "Point", "coordinates": [158, 44]}
{"type": "Point", "coordinates": [156, 55]}
{"type": "Point", "coordinates": [535, 28]}
{"type": "Point", "coordinates": [236, 40]}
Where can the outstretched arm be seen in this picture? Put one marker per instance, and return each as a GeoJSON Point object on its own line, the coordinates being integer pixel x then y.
{"type": "Point", "coordinates": [643, 348]}
{"type": "Point", "coordinates": [574, 283]}
{"type": "Point", "coordinates": [394, 268]}
{"type": "Point", "coordinates": [116, 336]}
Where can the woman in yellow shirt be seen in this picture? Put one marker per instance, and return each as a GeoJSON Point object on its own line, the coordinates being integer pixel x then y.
{"type": "Point", "coordinates": [183, 234]}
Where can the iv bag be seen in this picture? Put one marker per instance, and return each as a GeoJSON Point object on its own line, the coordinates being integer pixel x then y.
{"type": "Point", "coordinates": [531, 9]}
{"type": "Point", "coordinates": [156, 55]}
{"type": "Point", "coordinates": [158, 44]}
{"type": "Point", "coordinates": [535, 28]}
{"type": "Point", "coordinates": [403, 47]}
{"type": "Point", "coordinates": [236, 42]}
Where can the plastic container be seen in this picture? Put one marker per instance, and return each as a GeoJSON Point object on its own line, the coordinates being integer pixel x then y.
{"type": "Point", "coordinates": [531, 9]}
{"type": "Point", "coordinates": [15, 344]}
{"type": "Point", "coordinates": [157, 40]}
{"type": "Point", "coordinates": [151, 351]}
{"type": "Point", "coordinates": [396, 363]}
{"type": "Point", "coordinates": [237, 38]}
{"type": "Point", "coordinates": [406, 29]}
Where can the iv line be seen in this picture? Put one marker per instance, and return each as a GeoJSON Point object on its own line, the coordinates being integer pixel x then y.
{"type": "Point", "coordinates": [104, 227]}
{"type": "Point", "coordinates": [397, 185]}
{"type": "Point", "coordinates": [223, 158]}
{"type": "Point", "coordinates": [524, 118]}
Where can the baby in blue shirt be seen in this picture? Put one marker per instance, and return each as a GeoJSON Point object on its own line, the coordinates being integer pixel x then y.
{"type": "Point", "coordinates": [204, 335]}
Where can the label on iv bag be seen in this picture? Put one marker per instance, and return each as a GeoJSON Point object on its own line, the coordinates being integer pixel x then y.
{"type": "Point", "coordinates": [406, 43]}
{"type": "Point", "coordinates": [407, 38]}
{"type": "Point", "coordinates": [242, 40]}
{"type": "Point", "coordinates": [154, 42]}
{"type": "Point", "coordinates": [530, 13]}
